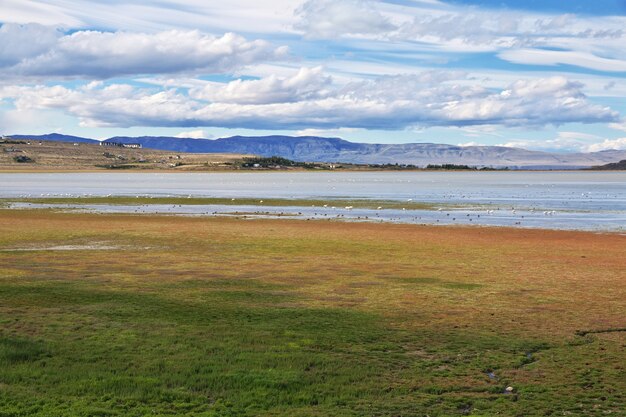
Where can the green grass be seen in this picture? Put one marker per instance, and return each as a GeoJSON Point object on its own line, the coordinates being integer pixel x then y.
{"type": "Point", "coordinates": [15, 350]}
{"type": "Point", "coordinates": [128, 354]}
{"type": "Point", "coordinates": [232, 318]}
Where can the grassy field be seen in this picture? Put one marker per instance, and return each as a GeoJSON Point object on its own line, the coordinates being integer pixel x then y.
{"type": "Point", "coordinates": [154, 315]}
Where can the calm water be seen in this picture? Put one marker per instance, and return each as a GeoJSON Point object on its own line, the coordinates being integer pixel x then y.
{"type": "Point", "coordinates": [563, 200]}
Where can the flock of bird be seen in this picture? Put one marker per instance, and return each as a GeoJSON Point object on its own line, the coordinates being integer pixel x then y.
{"type": "Point", "coordinates": [395, 213]}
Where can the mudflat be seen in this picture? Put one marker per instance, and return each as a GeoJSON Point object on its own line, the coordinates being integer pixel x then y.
{"type": "Point", "coordinates": [130, 315]}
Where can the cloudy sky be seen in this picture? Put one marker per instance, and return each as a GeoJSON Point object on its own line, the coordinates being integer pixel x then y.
{"type": "Point", "coordinates": [540, 74]}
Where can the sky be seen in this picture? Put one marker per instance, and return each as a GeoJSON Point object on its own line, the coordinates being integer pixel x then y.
{"type": "Point", "coordinates": [543, 75]}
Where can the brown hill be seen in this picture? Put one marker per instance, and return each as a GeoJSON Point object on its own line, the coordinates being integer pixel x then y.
{"type": "Point", "coordinates": [616, 166]}
{"type": "Point", "coordinates": [34, 155]}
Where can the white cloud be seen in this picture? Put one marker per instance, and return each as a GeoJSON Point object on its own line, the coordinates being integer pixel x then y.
{"type": "Point", "coordinates": [570, 142]}
{"type": "Point", "coordinates": [551, 58]}
{"type": "Point", "coordinates": [328, 19]}
{"type": "Point", "coordinates": [328, 132]}
{"type": "Point", "coordinates": [251, 16]}
{"type": "Point", "coordinates": [429, 26]}
{"type": "Point", "coordinates": [577, 136]}
{"type": "Point", "coordinates": [521, 37]}
{"type": "Point", "coordinates": [457, 29]}
{"type": "Point", "coordinates": [93, 54]}
{"type": "Point", "coordinates": [481, 131]}
{"type": "Point", "coordinates": [618, 126]}
{"type": "Point", "coordinates": [396, 102]}
{"type": "Point", "coordinates": [29, 11]}
{"type": "Point", "coordinates": [19, 42]}
{"type": "Point", "coordinates": [306, 84]}
{"type": "Point", "coordinates": [619, 144]}
{"type": "Point", "coordinates": [523, 144]}
{"type": "Point", "coordinates": [194, 134]}
{"type": "Point", "coordinates": [169, 45]}
{"type": "Point", "coordinates": [441, 23]}
{"type": "Point", "coordinates": [29, 121]}
{"type": "Point", "coordinates": [538, 102]}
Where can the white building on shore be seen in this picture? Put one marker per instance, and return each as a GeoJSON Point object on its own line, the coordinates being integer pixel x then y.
{"type": "Point", "coordinates": [121, 145]}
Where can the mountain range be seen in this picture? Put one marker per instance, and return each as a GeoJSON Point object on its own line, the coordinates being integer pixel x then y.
{"type": "Point", "coordinates": [322, 149]}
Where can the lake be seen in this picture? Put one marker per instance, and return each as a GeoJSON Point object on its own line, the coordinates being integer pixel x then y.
{"type": "Point", "coordinates": [562, 200]}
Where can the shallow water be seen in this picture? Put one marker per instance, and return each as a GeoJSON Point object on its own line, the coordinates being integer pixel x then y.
{"type": "Point", "coordinates": [558, 200]}
{"type": "Point", "coordinates": [470, 216]}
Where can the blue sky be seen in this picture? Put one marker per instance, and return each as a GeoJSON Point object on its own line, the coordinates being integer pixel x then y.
{"type": "Point", "coordinates": [546, 75]}
{"type": "Point", "coordinates": [598, 8]}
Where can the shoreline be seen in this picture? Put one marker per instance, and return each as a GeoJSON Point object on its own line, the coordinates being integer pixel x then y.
{"type": "Point", "coordinates": [279, 220]}
{"type": "Point", "coordinates": [290, 170]}
{"type": "Point", "coordinates": [347, 210]}
{"type": "Point", "coordinates": [570, 201]}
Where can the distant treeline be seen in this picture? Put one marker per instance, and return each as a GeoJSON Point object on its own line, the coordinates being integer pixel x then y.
{"type": "Point", "coordinates": [278, 162]}
{"type": "Point", "coordinates": [392, 167]}
{"type": "Point", "coordinates": [12, 142]}
{"type": "Point", "coordinates": [275, 162]}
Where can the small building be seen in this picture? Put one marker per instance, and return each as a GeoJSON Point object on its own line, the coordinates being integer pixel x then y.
{"type": "Point", "coordinates": [121, 145]}
{"type": "Point", "coordinates": [111, 144]}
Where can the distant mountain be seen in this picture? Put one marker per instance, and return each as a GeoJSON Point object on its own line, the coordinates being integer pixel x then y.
{"type": "Point", "coordinates": [57, 137]}
{"type": "Point", "coordinates": [297, 148]}
{"type": "Point", "coordinates": [320, 149]}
